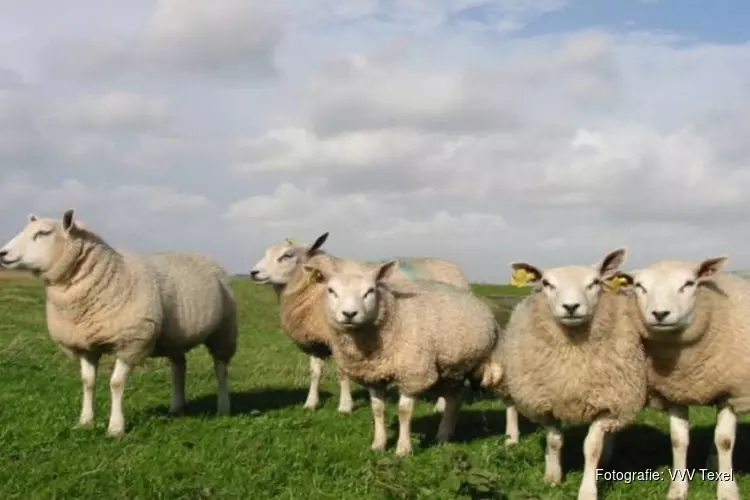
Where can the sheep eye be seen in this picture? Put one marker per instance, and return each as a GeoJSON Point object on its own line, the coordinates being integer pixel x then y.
{"type": "Point", "coordinates": [642, 288]}
{"type": "Point", "coordinates": [368, 292]}
{"type": "Point", "coordinates": [596, 282]}
{"type": "Point", "coordinates": [687, 284]}
{"type": "Point", "coordinates": [547, 284]}
{"type": "Point", "coordinates": [331, 291]}
{"type": "Point", "coordinates": [41, 232]}
{"type": "Point", "coordinates": [284, 257]}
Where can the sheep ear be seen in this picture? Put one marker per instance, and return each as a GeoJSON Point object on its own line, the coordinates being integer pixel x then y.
{"type": "Point", "coordinates": [523, 274]}
{"type": "Point", "coordinates": [318, 243]}
{"type": "Point", "coordinates": [710, 267]}
{"type": "Point", "coordinates": [32, 217]}
{"type": "Point", "coordinates": [384, 270]}
{"type": "Point", "coordinates": [612, 262]}
{"type": "Point", "coordinates": [67, 220]}
{"type": "Point", "coordinates": [317, 275]}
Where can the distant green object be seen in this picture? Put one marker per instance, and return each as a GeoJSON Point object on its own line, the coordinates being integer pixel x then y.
{"type": "Point", "coordinates": [410, 270]}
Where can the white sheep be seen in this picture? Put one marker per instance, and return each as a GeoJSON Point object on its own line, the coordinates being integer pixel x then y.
{"type": "Point", "coordinates": [420, 334]}
{"type": "Point", "coordinates": [103, 301]}
{"type": "Point", "coordinates": [695, 322]}
{"type": "Point", "coordinates": [569, 358]}
{"type": "Point", "coordinates": [278, 267]}
{"type": "Point", "coordinates": [279, 264]}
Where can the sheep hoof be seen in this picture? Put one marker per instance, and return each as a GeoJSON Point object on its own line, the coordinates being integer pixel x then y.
{"type": "Point", "coordinates": [677, 491]}
{"type": "Point", "coordinates": [587, 493]}
{"type": "Point", "coordinates": [378, 446]}
{"type": "Point", "coordinates": [511, 440]}
{"type": "Point", "coordinates": [443, 436]}
{"type": "Point", "coordinates": [85, 421]}
{"type": "Point", "coordinates": [727, 490]}
{"type": "Point", "coordinates": [553, 477]}
{"type": "Point", "coordinates": [403, 449]}
{"type": "Point", "coordinates": [176, 410]}
{"type": "Point", "coordinates": [344, 408]}
{"type": "Point", "coordinates": [440, 406]}
{"type": "Point", "coordinates": [115, 432]}
{"type": "Point", "coordinates": [311, 405]}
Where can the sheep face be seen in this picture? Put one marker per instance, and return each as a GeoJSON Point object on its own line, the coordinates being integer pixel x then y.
{"type": "Point", "coordinates": [39, 245]}
{"type": "Point", "coordinates": [281, 261]}
{"type": "Point", "coordinates": [352, 293]}
{"type": "Point", "coordinates": [277, 265]}
{"type": "Point", "coordinates": [666, 291]}
{"type": "Point", "coordinates": [572, 292]}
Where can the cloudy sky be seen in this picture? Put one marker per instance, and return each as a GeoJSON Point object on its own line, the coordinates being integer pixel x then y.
{"type": "Point", "coordinates": [483, 131]}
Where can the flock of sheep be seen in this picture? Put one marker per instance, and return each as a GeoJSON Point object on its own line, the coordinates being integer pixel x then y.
{"type": "Point", "coordinates": [591, 344]}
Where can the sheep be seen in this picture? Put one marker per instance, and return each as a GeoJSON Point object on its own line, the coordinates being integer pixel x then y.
{"type": "Point", "coordinates": [277, 267]}
{"type": "Point", "coordinates": [420, 334]}
{"type": "Point", "coordinates": [694, 322]}
{"type": "Point", "coordinates": [280, 266]}
{"type": "Point", "coordinates": [100, 300]}
{"type": "Point", "coordinates": [568, 357]}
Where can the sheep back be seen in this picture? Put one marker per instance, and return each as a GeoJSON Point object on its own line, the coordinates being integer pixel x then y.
{"type": "Point", "coordinates": [197, 300]}
{"type": "Point", "coordinates": [575, 380]}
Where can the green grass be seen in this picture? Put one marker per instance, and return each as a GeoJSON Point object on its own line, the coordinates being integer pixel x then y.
{"type": "Point", "coordinates": [271, 447]}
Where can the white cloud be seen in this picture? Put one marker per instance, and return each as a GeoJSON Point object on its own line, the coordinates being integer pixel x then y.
{"type": "Point", "coordinates": [403, 128]}
{"type": "Point", "coordinates": [199, 38]}
{"type": "Point", "coordinates": [113, 110]}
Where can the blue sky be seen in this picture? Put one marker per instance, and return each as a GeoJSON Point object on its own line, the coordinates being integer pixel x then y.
{"type": "Point", "coordinates": [483, 131]}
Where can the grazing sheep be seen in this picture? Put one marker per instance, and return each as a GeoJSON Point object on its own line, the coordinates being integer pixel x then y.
{"type": "Point", "coordinates": [104, 301]}
{"type": "Point", "coordinates": [279, 264]}
{"type": "Point", "coordinates": [420, 334]}
{"type": "Point", "coordinates": [695, 322]}
{"type": "Point", "coordinates": [568, 357]}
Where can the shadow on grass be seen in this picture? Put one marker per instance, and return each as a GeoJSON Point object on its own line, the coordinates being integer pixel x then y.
{"type": "Point", "coordinates": [259, 400]}
{"type": "Point", "coordinates": [641, 447]}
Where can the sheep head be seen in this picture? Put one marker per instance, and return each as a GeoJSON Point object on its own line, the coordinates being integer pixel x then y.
{"type": "Point", "coordinates": [572, 292]}
{"type": "Point", "coordinates": [666, 291]}
{"type": "Point", "coordinates": [281, 261]}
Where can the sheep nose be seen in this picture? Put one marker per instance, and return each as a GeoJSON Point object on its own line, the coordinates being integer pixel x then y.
{"type": "Point", "coordinates": [571, 308]}
{"type": "Point", "coordinates": [3, 253]}
{"type": "Point", "coordinates": [254, 273]}
{"type": "Point", "coordinates": [660, 315]}
{"type": "Point", "coordinates": [349, 314]}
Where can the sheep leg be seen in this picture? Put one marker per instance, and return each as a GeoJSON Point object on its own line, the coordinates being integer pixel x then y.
{"type": "Point", "coordinates": [440, 405]}
{"type": "Point", "coordinates": [117, 390]}
{"type": "Point", "coordinates": [724, 439]}
{"type": "Point", "coordinates": [89, 367]}
{"type": "Point", "coordinates": [178, 366]}
{"type": "Point", "coordinates": [679, 432]}
{"type": "Point", "coordinates": [345, 393]}
{"type": "Point", "coordinates": [511, 425]}
{"type": "Point", "coordinates": [447, 426]}
{"type": "Point", "coordinates": [221, 372]}
{"type": "Point", "coordinates": [552, 455]}
{"type": "Point", "coordinates": [593, 446]}
{"type": "Point", "coordinates": [316, 371]}
{"type": "Point", "coordinates": [377, 403]}
{"type": "Point", "coordinates": [405, 411]}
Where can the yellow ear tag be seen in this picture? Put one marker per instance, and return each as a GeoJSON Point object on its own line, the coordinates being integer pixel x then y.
{"type": "Point", "coordinates": [616, 283]}
{"type": "Point", "coordinates": [521, 277]}
{"type": "Point", "coordinates": [315, 277]}
{"type": "Point", "coordinates": [291, 241]}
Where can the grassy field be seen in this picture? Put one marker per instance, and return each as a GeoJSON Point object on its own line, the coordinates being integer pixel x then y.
{"type": "Point", "coordinates": [271, 447]}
